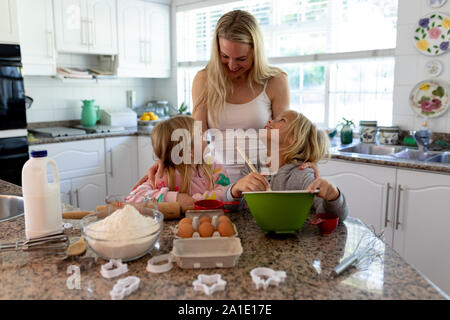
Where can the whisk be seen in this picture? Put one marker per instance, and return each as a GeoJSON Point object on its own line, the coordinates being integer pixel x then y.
{"type": "Point", "coordinates": [360, 257]}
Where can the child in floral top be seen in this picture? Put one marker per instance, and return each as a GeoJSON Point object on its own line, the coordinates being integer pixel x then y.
{"type": "Point", "coordinates": [184, 182]}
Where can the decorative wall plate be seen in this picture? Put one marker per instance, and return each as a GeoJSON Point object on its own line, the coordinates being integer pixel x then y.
{"type": "Point", "coordinates": [436, 3]}
{"type": "Point", "coordinates": [432, 34]}
{"type": "Point", "coordinates": [434, 68]}
{"type": "Point", "coordinates": [430, 98]}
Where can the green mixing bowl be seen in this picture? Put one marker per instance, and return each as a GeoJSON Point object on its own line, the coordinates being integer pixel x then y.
{"type": "Point", "coordinates": [280, 211]}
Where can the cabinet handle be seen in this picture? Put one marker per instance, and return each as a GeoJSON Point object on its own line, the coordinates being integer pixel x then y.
{"type": "Point", "coordinates": [111, 160]}
{"type": "Point", "coordinates": [83, 34]}
{"type": "Point", "coordinates": [386, 214]}
{"type": "Point", "coordinates": [149, 53]}
{"type": "Point", "coordinates": [91, 33]}
{"type": "Point", "coordinates": [77, 197]}
{"type": "Point", "coordinates": [399, 190]}
{"type": "Point", "coordinates": [50, 44]}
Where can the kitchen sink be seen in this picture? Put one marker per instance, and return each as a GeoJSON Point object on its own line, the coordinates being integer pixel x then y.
{"type": "Point", "coordinates": [410, 154]}
{"type": "Point", "coordinates": [372, 149]}
{"type": "Point", "coordinates": [11, 207]}
{"type": "Point", "coordinates": [441, 158]}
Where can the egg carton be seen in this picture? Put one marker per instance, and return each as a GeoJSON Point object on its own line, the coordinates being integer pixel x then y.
{"type": "Point", "coordinates": [197, 254]}
{"type": "Point", "coordinates": [195, 216]}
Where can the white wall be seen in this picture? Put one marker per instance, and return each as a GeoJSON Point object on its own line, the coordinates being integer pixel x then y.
{"type": "Point", "coordinates": [410, 66]}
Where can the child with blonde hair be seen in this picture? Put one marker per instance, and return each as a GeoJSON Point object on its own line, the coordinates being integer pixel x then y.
{"type": "Point", "coordinates": [299, 141]}
{"type": "Point", "coordinates": [182, 181]}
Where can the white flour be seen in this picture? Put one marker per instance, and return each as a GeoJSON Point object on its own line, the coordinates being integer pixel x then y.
{"type": "Point", "coordinates": [122, 235]}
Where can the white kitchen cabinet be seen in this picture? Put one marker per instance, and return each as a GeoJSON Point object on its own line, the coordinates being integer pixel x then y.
{"type": "Point", "coordinates": [121, 164]}
{"type": "Point", "coordinates": [146, 156]}
{"type": "Point", "coordinates": [368, 189]}
{"type": "Point", "coordinates": [9, 28]}
{"type": "Point", "coordinates": [85, 193]}
{"type": "Point", "coordinates": [144, 39]}
{"type": "Point", "coordinates": [412, 207]}
{"type": "Point", "coordinates": [86, 26]}
{"type": "Point", "coordinates": [37, 42]}
{"type": "Point", "coordinates": [421, 223]}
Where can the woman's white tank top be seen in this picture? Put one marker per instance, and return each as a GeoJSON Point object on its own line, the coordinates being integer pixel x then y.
{"type": "Point", "coordinates": [250, 117]}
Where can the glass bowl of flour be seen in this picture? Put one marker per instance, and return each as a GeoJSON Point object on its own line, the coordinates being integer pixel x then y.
{"type": "Point", "coordinates": [127, 232]}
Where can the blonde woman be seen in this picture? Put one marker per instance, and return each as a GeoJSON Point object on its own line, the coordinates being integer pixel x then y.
{"type": "Point", "coordinates": [299, 141]}
{"type": "Point", "coordinates": [181, 181]}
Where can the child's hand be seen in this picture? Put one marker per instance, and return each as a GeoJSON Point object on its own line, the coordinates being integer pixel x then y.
{"type": "Point", "coordinates": [311, 165]}
{"type": "Point", "coordinates": [327, 191]}
{"type": "Point", "coordinates": [153, 173]}
{"type": "Point", "coordinates": [186, 201]}
{"type": "Point", "coordinates": [251, 182]}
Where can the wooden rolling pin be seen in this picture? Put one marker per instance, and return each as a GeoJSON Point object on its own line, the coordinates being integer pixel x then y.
{"type": "Point", "coordinates": [170, 210]}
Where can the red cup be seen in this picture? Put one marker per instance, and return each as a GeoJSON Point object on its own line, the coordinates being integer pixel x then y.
{"type": "Point", "coordinates": [327, 222]}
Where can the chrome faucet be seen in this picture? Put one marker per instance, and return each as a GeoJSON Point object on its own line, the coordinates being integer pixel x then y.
{"type": "Point", "coordinates": [423, 137]}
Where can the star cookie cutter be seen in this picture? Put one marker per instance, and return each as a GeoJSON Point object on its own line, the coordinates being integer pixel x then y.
{"type": "Point", "coordinates": [113, 268]}
{"type": "Point", "coordinates": [124, 287]}
{"type": "Point", "coordinates": [152, 265]}
{"type": "Point", "coordinates": [273, 277]}
{"type": "Point", "coordinates": [209, 283]}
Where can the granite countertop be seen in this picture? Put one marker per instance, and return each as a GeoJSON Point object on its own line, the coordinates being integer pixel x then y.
{"type": "Point", "coordinates": [307, 257]}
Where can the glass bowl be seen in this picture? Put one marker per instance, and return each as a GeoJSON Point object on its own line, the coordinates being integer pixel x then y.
{"type": "Point", "coordinates": [118, 240]}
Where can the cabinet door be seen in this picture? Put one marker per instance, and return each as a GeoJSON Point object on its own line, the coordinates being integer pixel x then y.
{"type": "Point", "coordinates": [9, 30]}
{"type": "Point", "coordinates": [131, 25]}
{"type": "Point", "coordinates": [76, 158]}
{"type": "Point", "coordinates": [368, 190]}
{"type": "Point", "coordinates": [102, 26]}
{"type": "Point", "coordinates": [36, 37]}
{"type": "Point", "coordinates": [65, 187]}
{"type": "Point", "coordinates": [422, 235]}
{"type": "Point", "coordinates": [158, 40]}
{"type": "Point", "coordinates": [121, 164]}
{"type": "Point", "coordinates": [89, 191]}
{"type": "Point", "coordinates": [146, 157]}
{"type": "Point", "coordinates": [71, 27]}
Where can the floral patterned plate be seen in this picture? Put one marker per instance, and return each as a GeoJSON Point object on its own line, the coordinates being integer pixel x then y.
{"type": "Point", "coordinates": [430, 98]}
{"type": "Point", "coordinates": [432, 34]}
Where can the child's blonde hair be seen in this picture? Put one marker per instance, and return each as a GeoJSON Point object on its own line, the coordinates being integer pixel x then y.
{"type": "Point", "coordinates": [309, 143]}
{"type": "Point", "coordinates": [163, 145]}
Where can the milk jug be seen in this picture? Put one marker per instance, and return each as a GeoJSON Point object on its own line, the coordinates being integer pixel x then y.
{"type": "Point", "coordinates": [42, 202]}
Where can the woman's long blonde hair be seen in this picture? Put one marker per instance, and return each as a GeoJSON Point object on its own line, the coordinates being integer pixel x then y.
{"type": "Point", "coordinates": [309, 144]}
{"type": "Point", "coordinates": [238, 26]}
{"type": "Point", "coordinates": [163, 145]}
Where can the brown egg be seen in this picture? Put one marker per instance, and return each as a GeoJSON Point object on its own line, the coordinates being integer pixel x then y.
{"type": "Point", "coordinates": [205, 219]}
{"type": "Point", "coordinates": [225, 229]}
{"type": "Point", "coordinates": [206, 229]}
{"type": "Point", "coordinates": [185, 230]}
{"type": "Point", "coordinates": [185, 220]}
{"type": "Point", "coordinates": [224, 218]}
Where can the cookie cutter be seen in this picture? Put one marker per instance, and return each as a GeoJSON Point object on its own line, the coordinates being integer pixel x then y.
{"type": "Point", "coordinates": [153, 267]}
{"type": "Point", "coordinates": [209, 283]}
{"type": "Point", "coordinates": [124, 287]}
{"type": "Point", "coordinates": [273, 277]}
{"type": "Point", "coordinates": [113, 268]}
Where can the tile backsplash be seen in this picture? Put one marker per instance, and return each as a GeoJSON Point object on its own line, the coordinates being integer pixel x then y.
{"type": "Point", "coordinates": [410, 67]}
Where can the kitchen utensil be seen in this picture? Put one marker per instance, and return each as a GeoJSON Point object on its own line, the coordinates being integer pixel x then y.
{"type": "Point", "coordinates": [263, 277]}
{"type": "Point", "coordinates": [280, 211]}
{"type": "Point", "coordinates": [252, 167]}
{"type": "Point", "coordinates": [77, 248]}
{"type": "Point", "coordinates": [327, 222]}
{"type": "Point", "coordinates": [90, 113]}
{"type": "Point", "coordinates": [430, 34]}
{"type": "Point", "coordinates": [54, 243]}
{"type": "Point", "coordinates": [211, 204]}
{"type": "Point", "coordinates": [209, 283]}
{"type": "Point", "coordinates": [430, 98]}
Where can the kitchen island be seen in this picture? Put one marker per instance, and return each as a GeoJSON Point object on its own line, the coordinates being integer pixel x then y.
{"type": "Point", "coordinates": [307, 257]}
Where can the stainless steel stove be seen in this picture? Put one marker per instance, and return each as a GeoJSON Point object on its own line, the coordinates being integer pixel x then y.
{"type": "Point", "coordinates": [101, 129]}
{"type": "Point", "coordinates": [55, 132]}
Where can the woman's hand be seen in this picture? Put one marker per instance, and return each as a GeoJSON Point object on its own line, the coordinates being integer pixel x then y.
{"type": "Point", "coordinates": [327, 191]}
{"type": "Point", "coordinates": [311, 165]}
{"type": "Point", "coordinates": [155, 172]}
{"type": "Point", "coordinates": [186, 201]}
{"type": "Point", "coordinates": [251, 182]}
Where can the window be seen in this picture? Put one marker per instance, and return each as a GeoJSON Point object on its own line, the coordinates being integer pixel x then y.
{"type": "Point", "coordinates": [338, 54]}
